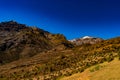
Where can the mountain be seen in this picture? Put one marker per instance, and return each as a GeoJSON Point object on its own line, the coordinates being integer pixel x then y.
{"type": "Point", "coordinates": [30, 53]}
{"type": "Point", "coordinates": [21, 41]}
{"type": "Point", "coordinates": [86, 40]}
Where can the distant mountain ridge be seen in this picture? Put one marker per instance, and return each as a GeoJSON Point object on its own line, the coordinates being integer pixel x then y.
{"type": "Point", "coordinates": [86, 40]}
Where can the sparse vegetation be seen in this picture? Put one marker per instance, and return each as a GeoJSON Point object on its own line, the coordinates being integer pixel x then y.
{"type": "Point", "coordinates": [40, 54]}
{"type": "Point", "coordinates": [95, 68]}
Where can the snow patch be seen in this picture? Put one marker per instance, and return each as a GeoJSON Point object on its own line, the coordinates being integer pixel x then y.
{"type": "Point", "coordinates": [86, 37]}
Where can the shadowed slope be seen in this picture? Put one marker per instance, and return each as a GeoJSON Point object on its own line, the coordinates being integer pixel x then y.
{"type": "Point", "coordinates": [20, 41]}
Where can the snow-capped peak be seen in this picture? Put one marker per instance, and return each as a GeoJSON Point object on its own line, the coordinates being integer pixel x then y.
{"type": "Point", "coordinates": [85, 37]}
{"type": "Point", "coordinates": [86, 40]}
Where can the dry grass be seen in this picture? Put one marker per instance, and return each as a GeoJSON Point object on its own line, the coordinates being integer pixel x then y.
{"type": "Point", "coordinates": [108, 71]}
{"type": "Point", "coordinates": [78, 76]}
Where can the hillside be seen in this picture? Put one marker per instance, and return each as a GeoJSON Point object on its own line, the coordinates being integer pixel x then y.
{"type": "Point", "coordinates": [32, 53]}
{"type": "Point", "coordinates": [21, 41]}
{"type": "Point", "coordinates": [103, 71]}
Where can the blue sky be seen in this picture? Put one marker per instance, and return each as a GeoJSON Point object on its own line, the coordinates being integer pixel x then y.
{"type": "Point", "coordinates": [73, 18]}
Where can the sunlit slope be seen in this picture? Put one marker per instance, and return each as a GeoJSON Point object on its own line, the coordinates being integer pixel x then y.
{"type": "Point", "coordinates": [104, 71]}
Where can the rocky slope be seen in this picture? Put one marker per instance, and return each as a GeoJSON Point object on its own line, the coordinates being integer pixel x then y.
{"type": "Point", "coordinates": [21, 41]}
